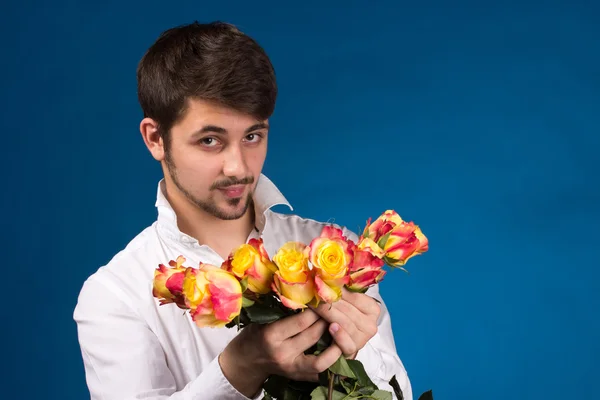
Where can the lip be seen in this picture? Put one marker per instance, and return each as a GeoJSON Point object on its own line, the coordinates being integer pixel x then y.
{"type": "Point", "coordinates": [233, 191]}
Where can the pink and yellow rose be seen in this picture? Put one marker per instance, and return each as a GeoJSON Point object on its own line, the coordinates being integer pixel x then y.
{"type": "Point", "coordinates": [213, 295]}
{"type": "Point", "coordinates": [299, 275]}
{"type": "Point", "coordinates": [382, 225]}
{"type": "Point", "coordinates": [370, 246]}
{"type": "Point", "coordinates": [367, 270]}
{"type": "Point", "coordinates": [405, 241]}
{"type": "Point", "coordinates": [252, 261]}
{"type": "Point", "coordinates": [168, 283]}
{"type": "Point", "coordinates": [393, 239]}
{"type": "Point", "coordinates": [293, 281]}
{"type": "Point", "coordinates": [331, 255]}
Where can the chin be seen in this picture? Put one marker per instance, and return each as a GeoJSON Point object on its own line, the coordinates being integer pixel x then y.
{"type": "Point", "coordinates": [234, 208]}
{"type": "Point", "coordinates": [230, 215]}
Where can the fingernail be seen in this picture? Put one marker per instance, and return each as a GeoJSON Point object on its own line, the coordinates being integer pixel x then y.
{"type": "Point", "coordinates": [334, 328]}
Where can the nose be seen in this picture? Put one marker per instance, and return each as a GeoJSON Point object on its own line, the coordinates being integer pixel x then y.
{"type": "Point", "coordinates": [234, 164]}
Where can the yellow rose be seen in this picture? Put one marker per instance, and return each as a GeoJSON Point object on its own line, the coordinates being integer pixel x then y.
{"type": "Point", "coordinates": [331, 255]}
{"type": "Point", "coordinates": [252, 261]}
{"type": "Point", "coordinates": [293, 281]}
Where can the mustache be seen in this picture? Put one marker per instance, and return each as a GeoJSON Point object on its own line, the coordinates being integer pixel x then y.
{"type": "Point", "coordinates": [231, 182]}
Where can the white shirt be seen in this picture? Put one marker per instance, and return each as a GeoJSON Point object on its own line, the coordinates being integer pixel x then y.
{"type": "Point", "coordinates": [132, 348]}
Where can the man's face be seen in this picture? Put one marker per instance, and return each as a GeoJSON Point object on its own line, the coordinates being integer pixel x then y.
{"type": "Point", "coordinates": [215, 157]}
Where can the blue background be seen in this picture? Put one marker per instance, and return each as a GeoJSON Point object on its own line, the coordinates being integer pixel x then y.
{"type": "Point", "coordinates": [477, 120]}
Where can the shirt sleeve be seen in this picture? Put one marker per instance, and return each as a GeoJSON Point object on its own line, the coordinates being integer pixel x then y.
{"type": "Point", "coordinates": [379, 356]}
{"type": "Point", "coordinates": [123, 359]}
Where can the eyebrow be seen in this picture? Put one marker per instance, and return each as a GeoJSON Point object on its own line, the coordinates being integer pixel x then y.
{"type": "Point", "coordinates": [218, 129]}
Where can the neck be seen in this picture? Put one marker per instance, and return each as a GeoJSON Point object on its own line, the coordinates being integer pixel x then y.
{"type": "Point", "coordinates": [223, 236]}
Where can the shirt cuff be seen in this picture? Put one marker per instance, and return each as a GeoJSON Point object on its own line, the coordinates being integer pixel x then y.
{"type": "Point", "coordinates": [374, 362]}
{"type": "Point", "coordinates": [371, 360]}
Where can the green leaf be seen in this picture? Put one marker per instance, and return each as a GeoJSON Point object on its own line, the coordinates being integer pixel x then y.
{"type": "Point", "coordinates": [244, 284]}
{"type": "Point", "coordinates": [233, 322]}
{"type": "Point", "coordinates": [291, 394]}
{"type": "Point", "coordinates": [361, 375]}
{"type": "Point", "coordinates": [341, 367]}
{"type": "Point", "coordinates": [246, 302]}
{"type": "Point", "coordinates": [322, 344]}
{"type": "Point", "coordinates": [382, 395]}
{"type": "Point", "coordinates": [320, 393]}
{"type": "Point", "coordinates": [302, 387]}
{"type": "Point", "coordinates": [263, 314]}
{"type": "Point", "coordinates": [365, 232]}
{"type": "Point", "coordinates": [348, 386]}
{"type": "Point", "coordinates": [324, 341]}
{"type": "Point", "coordinates": [363, 392]}
{"type": "Point", "coordinates": [383, 240]}
{"type": "Point", "coordinates": [428, 395]}
{"type": "Point", "coordinates": [275, 386]}
{"type": "Point", "coordinates": [359, 290]}
{"type": "Point", "coordinates": [396, 386]}
{"type": "Point", "coordinates": [393, 263]}
{"type": "Point", "coordinates": [324, 378]}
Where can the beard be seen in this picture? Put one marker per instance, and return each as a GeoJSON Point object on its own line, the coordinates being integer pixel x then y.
{"type": "Point", "coordinates": [209, 205]}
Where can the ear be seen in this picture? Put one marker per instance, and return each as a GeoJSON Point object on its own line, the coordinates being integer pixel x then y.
{"type": "Point", "coordinates": [152, 139]}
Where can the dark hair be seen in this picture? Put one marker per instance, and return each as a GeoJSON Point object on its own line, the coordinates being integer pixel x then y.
{"type": "Point", "coordinates": [212, 61]}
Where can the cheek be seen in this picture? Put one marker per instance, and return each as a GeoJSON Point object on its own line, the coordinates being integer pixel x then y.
{"type": "Point", "coordinates": [194, 167]}
{"type": "Point", "coordinates": [255, 160]}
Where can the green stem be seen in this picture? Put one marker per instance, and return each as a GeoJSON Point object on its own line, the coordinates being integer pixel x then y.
{"type": "Point", "coordinates": [330, 388]}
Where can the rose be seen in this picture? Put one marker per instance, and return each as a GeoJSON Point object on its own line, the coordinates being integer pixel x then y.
{"type": "Point", "coordinates": [382, 225]}
{"type": "Point", "coordinates": [393, 239]}
{"type": "Point", "coordinates": [405, 241]}
{"type": "Point", "coordinates": [367, 270]}
{"type": "Point", "coordinates": [331, 255]}
{"type": "Point", "coordinates": [293, 281]}
{"type": "Point", "coordinates": [213, 294]}
{"type": "Point", "coordinates": [368, 245]}
{"type": "Point", "coordinates": [252, 261]}
{"type": "Point", "coordinates": [168, 283]}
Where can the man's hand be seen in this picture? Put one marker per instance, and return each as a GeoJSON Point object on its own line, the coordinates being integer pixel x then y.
{"type": "Point", "coordinates": [353, 320]}
{"type": "Point", "coordinates": [277, 348]}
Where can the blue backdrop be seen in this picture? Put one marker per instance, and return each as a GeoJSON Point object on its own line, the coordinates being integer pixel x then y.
{"type": "Point", "coordinates": [479, 121]}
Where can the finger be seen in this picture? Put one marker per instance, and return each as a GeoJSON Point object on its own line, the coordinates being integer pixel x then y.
{"type": "Point", "coordinates": [343, 313]}
{"type": "Point", "coordinates": [358, 325]}
{"type": "Point", "coordinates": [362, 302]}
{"type": "Point", "coordinates": [307, 338]}
{"type": "Point", "coordinates": [349, 310]}
{"type": "Point", "coordinates": [365, 324]}
{"type": "Point", "coordinates": [291, 326]}
{"type": "Point", "coordinates": [360, 322]}
{"type": "Point", "coordinates": [343, 340]}
{"type": "Point", "coordinates": [316, 364]}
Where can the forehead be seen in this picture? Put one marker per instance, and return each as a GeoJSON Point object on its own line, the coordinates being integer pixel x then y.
{"type": "Point", "coordinates": [200, 113]}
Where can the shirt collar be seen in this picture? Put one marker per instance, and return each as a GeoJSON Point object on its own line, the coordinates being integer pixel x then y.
{"type": "Point", "coordinates": [266, 196]}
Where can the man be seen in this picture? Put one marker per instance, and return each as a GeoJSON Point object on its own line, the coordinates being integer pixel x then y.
{"type": "Point", "coordinates": [207, 92]}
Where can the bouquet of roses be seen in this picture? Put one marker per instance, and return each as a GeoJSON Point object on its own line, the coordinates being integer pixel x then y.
{"type": "Point", "coordinates": [252, 288]}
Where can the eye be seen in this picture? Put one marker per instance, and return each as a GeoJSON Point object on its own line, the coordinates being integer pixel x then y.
{"type": "Point", "coordinates": [253, 138]}
{"type": "Point", "coordinates": [209, 142]}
